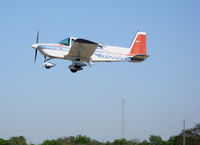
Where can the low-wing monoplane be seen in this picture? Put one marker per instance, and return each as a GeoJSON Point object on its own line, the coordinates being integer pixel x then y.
{"type": "Point", "coordinates": [82, 52]}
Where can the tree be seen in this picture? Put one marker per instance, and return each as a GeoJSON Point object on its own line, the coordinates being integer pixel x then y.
{"type": "Point", "coordinates": [121, 142]}
{"type": "Point", "coordinates": [50, 142]}
{"type": "Point", "coordinates": [82, 139]}
{"type": "Point", "coordinates": [145, 142]}
{"type": "Point", "coordinates": [17, 141]}
{"type": "Point", "coordinates": [108, 143]}
{"type": "Point", "coordinates": [134, 141]}
{"type": "Point", "coordinates": [175, 140]}
{"type": "Point", "coordinates": [66, 140]}
{"type": "Point", "coordinates": [3, 142]}
{"type": "Point", "coordinates": [95, 142]}
{"type": "Point", "coordinates": [192, 137]}
{"type": "Point", "coordinates": [155, 140]}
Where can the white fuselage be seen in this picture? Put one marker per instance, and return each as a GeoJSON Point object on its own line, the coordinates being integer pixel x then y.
{"type": "Point", "coordinates": [102, 54]}
{"type": "Point", "coordinates": [82, 52]}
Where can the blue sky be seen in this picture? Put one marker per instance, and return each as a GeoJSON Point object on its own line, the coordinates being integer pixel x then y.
{"type": "Point", "coordinates": [46, 104]}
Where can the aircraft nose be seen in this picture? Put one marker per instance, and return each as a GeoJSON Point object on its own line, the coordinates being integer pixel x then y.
{"type": "Point", "coordinates": [35, 46]}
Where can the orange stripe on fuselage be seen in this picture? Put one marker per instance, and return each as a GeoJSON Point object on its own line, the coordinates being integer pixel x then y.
{"type": "Point", "coordinates": [57, 44]}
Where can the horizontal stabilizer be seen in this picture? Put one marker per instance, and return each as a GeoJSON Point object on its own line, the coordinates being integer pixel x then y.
{"type": "Point", "coordinates": [139, 58]}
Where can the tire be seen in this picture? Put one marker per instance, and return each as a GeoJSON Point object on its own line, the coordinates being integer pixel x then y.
{"type": "Point", "coordinates": [73, 70]}
{"type": "Point", "coordinates": [47, 67]}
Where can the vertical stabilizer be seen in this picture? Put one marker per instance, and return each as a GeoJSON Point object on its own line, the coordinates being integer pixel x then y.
{"type": "Point", "coordinates": [138, 46]}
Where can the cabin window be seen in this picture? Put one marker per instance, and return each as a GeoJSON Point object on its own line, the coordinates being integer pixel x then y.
{"type": "Point", "coordinates": [65, 41]}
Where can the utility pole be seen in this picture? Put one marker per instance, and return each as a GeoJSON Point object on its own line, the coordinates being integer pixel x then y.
{"type": "Point", "coordinates": [183, 132]}
{"type": "Point", "coordinates": [123, 118]}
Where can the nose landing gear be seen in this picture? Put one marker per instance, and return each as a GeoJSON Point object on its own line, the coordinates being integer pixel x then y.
{"type": "Point", "coordinates": [48, 65]}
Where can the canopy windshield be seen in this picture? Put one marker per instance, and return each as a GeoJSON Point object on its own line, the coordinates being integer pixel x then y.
{"type": "Point", "coordinates": [65, 41]}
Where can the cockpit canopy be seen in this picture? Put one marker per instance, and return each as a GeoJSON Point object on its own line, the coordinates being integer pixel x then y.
{"type": "Point", "coordinates": [65, 42]}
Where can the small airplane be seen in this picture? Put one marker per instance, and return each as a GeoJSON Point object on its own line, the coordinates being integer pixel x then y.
{"type": "Point", "coordinates": [83, 52]}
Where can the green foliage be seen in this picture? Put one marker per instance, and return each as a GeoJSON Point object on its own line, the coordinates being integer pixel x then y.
{"type": "Point", "coordinates": [95, 142]}
{"type": "Point", "coordinates": [192, 138]}
{"type": "Point", "coordinates": [82, 139]}
{"type": "Point", "coordinates": [156, 140]}
{"type": "Point", "coordinates": [134, 141]}
{"type": "Point", "coordinates": [121, 142]}
{"type": "Point", "coordinates": [66, 140]}
{"type": "Point", "coordinates": [108, 143]}
{"type": "Point", "coordinates": [50, 142]}
{"type": "Point", "coordinates": [175, 140]}
{"type": "Point", "coordinates": [145, 142]}
{"type": "Point", "coordinates": [3, 142]}
{"type": "Point", "coordinates": [17, 141]}
{"type": "Point", "coordinates": [193, 135]}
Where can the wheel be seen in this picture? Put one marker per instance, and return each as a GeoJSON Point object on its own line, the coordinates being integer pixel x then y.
{"type": "Point", "coordinates": [73, 70]}
{"type": "Point", "coordinates": [47, 67]}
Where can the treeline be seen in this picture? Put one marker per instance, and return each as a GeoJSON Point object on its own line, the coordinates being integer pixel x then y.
{"type": "Point", "coordinates": [192, 137]}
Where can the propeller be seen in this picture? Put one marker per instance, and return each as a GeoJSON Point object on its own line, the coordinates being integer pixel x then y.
{"type": "Point", "coordinates": [35, 55]}
{"type": "Point", "coordinates": [37, 40]}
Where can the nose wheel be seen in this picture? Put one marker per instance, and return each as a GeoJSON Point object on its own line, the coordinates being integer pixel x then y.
{"type": "Point", "coordinates": [47, 67]}
{"type": "Point", "coordinates": [47, 64]}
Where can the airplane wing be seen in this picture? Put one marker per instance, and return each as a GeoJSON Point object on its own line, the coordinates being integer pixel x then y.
{"type": "Point", "coordinates": [82, 50]}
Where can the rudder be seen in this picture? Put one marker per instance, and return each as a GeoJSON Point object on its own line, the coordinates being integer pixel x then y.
{"type": "Point", "coordinates": [138, 46]}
